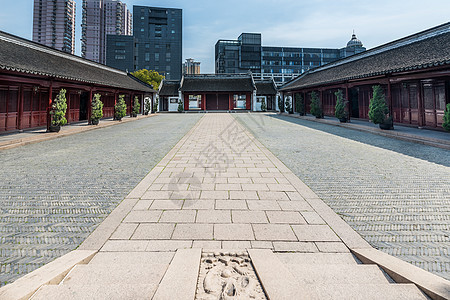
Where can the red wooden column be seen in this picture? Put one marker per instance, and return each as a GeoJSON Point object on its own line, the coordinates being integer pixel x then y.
{"type": "Point", "coordinates": [49, 107]}
{"type": "Point", "coordinates": [349, 103]}
{"type": "Point", "coordinates": [230, 102]}
{"type": "Point", "coordinates": [321, 99]}
{"type": "Point", "coordinates": [68, 107]}
{"type": "Point", "coordinates": [20, 108]}
{"type": "Point", "coordinates": [204, 101]}
{"type": "Point", "coordinates": [304, 103]}
{"type": "Point", "coordinates": [186, 102]}
{"type": "Point", "coordinates": [420, 106]}
{"type": "Point", "coordinates": [90, 107]}
{"type": "Point", "coordinates": [248, 101]}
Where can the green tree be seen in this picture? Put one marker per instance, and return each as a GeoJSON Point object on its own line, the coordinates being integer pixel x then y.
{"type": "Point", "coordinates": [280, 104]}
{"type": "Point", "coordinates": [136, 106]}
{"type": "Point", "coordinates": [120, 108]}
{"type": "Point", "coordinates": [378, 109]}
{"type": "Point", "coordinates": [147, 105]}
{"type": "Point", "coordinates": [180, 106]}
{"type": "Point", "coordinates": [316, 110]}
{"type": "Point", "coordinates": [287, 104]}
{"type": "Point", "coordinates": [339, 109]}
{"type": "Point", "coordinates": [59, 108]}
{"type": "Point", "coordinates": [263, 104]}
{"type": "Point", "coordinates": [149, 77]}
{"type": "Point", "coordinates": [97, 108]}
{"type": "Point", "coordinates": [446, 123]}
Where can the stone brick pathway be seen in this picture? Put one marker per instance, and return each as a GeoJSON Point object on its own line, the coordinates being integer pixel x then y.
{"type": "Point", "coordinates": [219, 190]}
{"type": "Point", "coordinates": [55, 193]}
{"type": "Point", "coordinates": [396, 194]}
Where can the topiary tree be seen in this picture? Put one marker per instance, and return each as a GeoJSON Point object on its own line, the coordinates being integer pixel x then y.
{"type": "Point", "coordinates": [120, 109]}
{"type": "Point", "coordinates": [136, 106]}
{"type": "Point", "coordinates": [97, 109]}
{"type": "Point", "coordinates": [446, 124]}
{"type": "Point", "coordinates": [299, 104]}
{"type": "Point", "coordinates": [280, 104]}
{"type": "Point", "coordinates": [59, 108]}
{"type": "Point", "coordinates": [147, 106]}
{"type": "Point", "coordinates": [263, 104]}
{"type": "Point", "coordinates": [287, 104]}
{"type": "Point", "coordinates": [316, 110]}
{"type": "Point", "coordinates": [180, 106]}
{"type": "Point", "coordinates": [339, 109]}
{"type": "Point", "coordinates": [378, 109]}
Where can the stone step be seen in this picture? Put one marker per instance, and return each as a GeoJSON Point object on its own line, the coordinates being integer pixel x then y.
{"type": "Point", "coordinates": [96, 292]}
{"type": "Point", "coordinates": [132, 258]}
{"type": "Point", "coordinates": [317, 258]}
{"type": "Point", "coordinates": [322, 274]}
{"type": "Point", "coordinates": [369, 291]}
{"type": "Point", "coordinates": [115, 274]}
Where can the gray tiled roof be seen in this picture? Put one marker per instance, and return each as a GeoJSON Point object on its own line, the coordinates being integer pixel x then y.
{"type": "Point", "coordinates": [217, 83]}
{"type": "Point", "coordinates": [413, 54]}
{"type": "Point", "coordinates": [23, 56]}
{"type": "Point", "coordinates": [169, 88]}
{"type": "Point", "coordinates": [265, 87]}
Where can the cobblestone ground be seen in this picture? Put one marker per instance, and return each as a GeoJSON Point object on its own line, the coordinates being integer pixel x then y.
{"type": "Point", "coordinates": [53, 194]}
{"type": "Point", "coordinates": [396, 194]}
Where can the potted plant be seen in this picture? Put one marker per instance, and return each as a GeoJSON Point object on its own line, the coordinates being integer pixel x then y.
{"type": "Point", "coordinates": [97, 109]}
{"type": "Point", "coordinates": [339, 109]}
{"type": "Point", "coordinates": [263, 104]}
{"type": "Point", "coordinates": [147, 106]}
{"type": "Point", "coordinates": [446, 123]}
{"type": "Point", "coordinates": [120, 109]}
{"type": "Point", "coordinates": [287, 105]}
{"type": "Point", "coordinates": [280, 104]}
{"type": "Point", "coordinates": [136, 107]}
{"type": "Point", "coordinates": [316, 110]}
{"type": "Point", "coordinates": [155, 104]}
{"type": "Point", "coordinates": [180, 106]}
{"type": "Point", "coordinates": [299, 104]}
{"type": "Point", "coordinates": [58, 112]}
{"type": "Point", "coordinates": [378, 109]}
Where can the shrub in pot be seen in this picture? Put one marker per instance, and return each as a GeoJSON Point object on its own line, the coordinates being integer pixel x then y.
{"type": "Point", "coordinates": [339, 109]}
{"type": "Point", "coordinates": [316, 110]}
{"type": "Point", "coordinates": [378, 109]}
{"type": "Point", "coordinates": [58, 112]}
{"type": "Point", "coordinates": [446, 123]}
{"type": "Point", "coordinates": [155, 105]}
{"type": "Point", "coordinates": [97, 109]}
{"type": "Point", "coordinates": [287, 104]}
{"type": "Point", "coordinates": [280, 104]}
{"type": "Point", "coordinates": [180, 106]}
{"type": "Point", "coordinates": [120, 109]}
{"type": "Point", "coordinates": [263, 105]}
{"type": "Point", "coordinates": [147, 106]}
{"type": "Point", "coordinates": [136, 107]}
{"type": "Point", "coordinates": [299, 104]}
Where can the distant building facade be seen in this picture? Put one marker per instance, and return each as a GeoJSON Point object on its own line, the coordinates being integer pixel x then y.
{"type": "Point", "coordinates": [158, 38]}
{"type": "Point", "coordinates": [120, 52]}
{"type": "Point", "coordinates": [191, 67]}
{"type": "Point", "coordinates": [100, 18]}
{"type": "Point", "coordinates": [280, 63]}
{"type": "Point", "coordinates": [54, 24]}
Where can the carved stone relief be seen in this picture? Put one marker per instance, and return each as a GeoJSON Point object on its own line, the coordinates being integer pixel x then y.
{"type": "Point", "coordinates": [228, 276]}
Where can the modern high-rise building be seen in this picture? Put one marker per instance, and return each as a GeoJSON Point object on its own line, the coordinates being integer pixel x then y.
{"type": "Point", "coordinates": [280, 63]}
{"type": "Point", "coordinates": [54, 24]}
{"type": "Point", "coordinates": [158, 37]}
{"type": "Point", "coordinates": [191, 67]}
{"type": "Point", "coordinates": [100, 18]}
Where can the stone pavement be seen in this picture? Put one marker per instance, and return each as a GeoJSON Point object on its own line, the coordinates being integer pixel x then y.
{"type": "Point", "coordinates": [396, 194]}
{"type": "Point", "coordinates": [220, 217]}
{"type": "Point", "coordinates": [55, 193]}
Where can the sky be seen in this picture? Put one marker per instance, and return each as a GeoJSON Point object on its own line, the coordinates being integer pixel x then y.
{"type": "Point", "coordinates": [289, 23]}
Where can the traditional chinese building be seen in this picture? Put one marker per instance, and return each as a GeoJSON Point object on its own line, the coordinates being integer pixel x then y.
{"type": "Point", "coordinates": [31, 75]}
{"type": "Point", "coordinates": [414, 73]}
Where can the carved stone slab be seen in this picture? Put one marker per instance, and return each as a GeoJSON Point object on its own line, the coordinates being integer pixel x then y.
{"type": "Point", "coordinates": [228, 276]}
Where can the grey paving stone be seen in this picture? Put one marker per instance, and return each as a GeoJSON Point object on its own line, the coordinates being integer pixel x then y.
{"type": "Point", "coordinates": [131, 258]}
{"type": "Point", "coordinates": [317, 258]}
{"type": "Point", "coordinates": [233, 232]}
{"type": "Point", "coordinates": [167, 245]}
{"type": "Point", "coordinates": [166, 204]}
{"type": "Point", "coordinates": [199, 204]}
{"type": "Point", "coordinates": [178, 216]}
{"type": "Point", "coordinates": [299, 205]}
{"type": "Point", "coordinates": [143, 216]}
{"type": "Point", "coordinates": [236, 245]}
{"type": "Point", "coordinates": [274, 232]}
{"type": "Point", "coordinates": [285, 217]}
{"type": "Point", "coordinates": [306, 247]}
{"type": "Point", "coordinates": [124, 246]}
{"type": "Point", "coordinates": [124, 231]}
{"type": "Point", "coordinates": [231, 204]}
{"type": "Point", "coordinates": [246, 217]}
{"type": "Point", "coordinates": [153, 232]}
{"type": "Point", "coordinates": [312, 217]}
{"type": "Point", "coordinates": [143, 204]}
{"type": "Point", "coordinates": [315, 233]}
{"type": "Point", "coordinates": [336, 247]}
{"type": "Point", "coordinates": [193, 232]}
{"type": "Point", "coordinates": [263, 205]}
{"type": "Point", "coordinates": [214, 216]}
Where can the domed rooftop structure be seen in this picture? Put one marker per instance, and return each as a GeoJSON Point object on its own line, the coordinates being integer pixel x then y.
{"type": "Point", "coordinates": [354, 42]}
